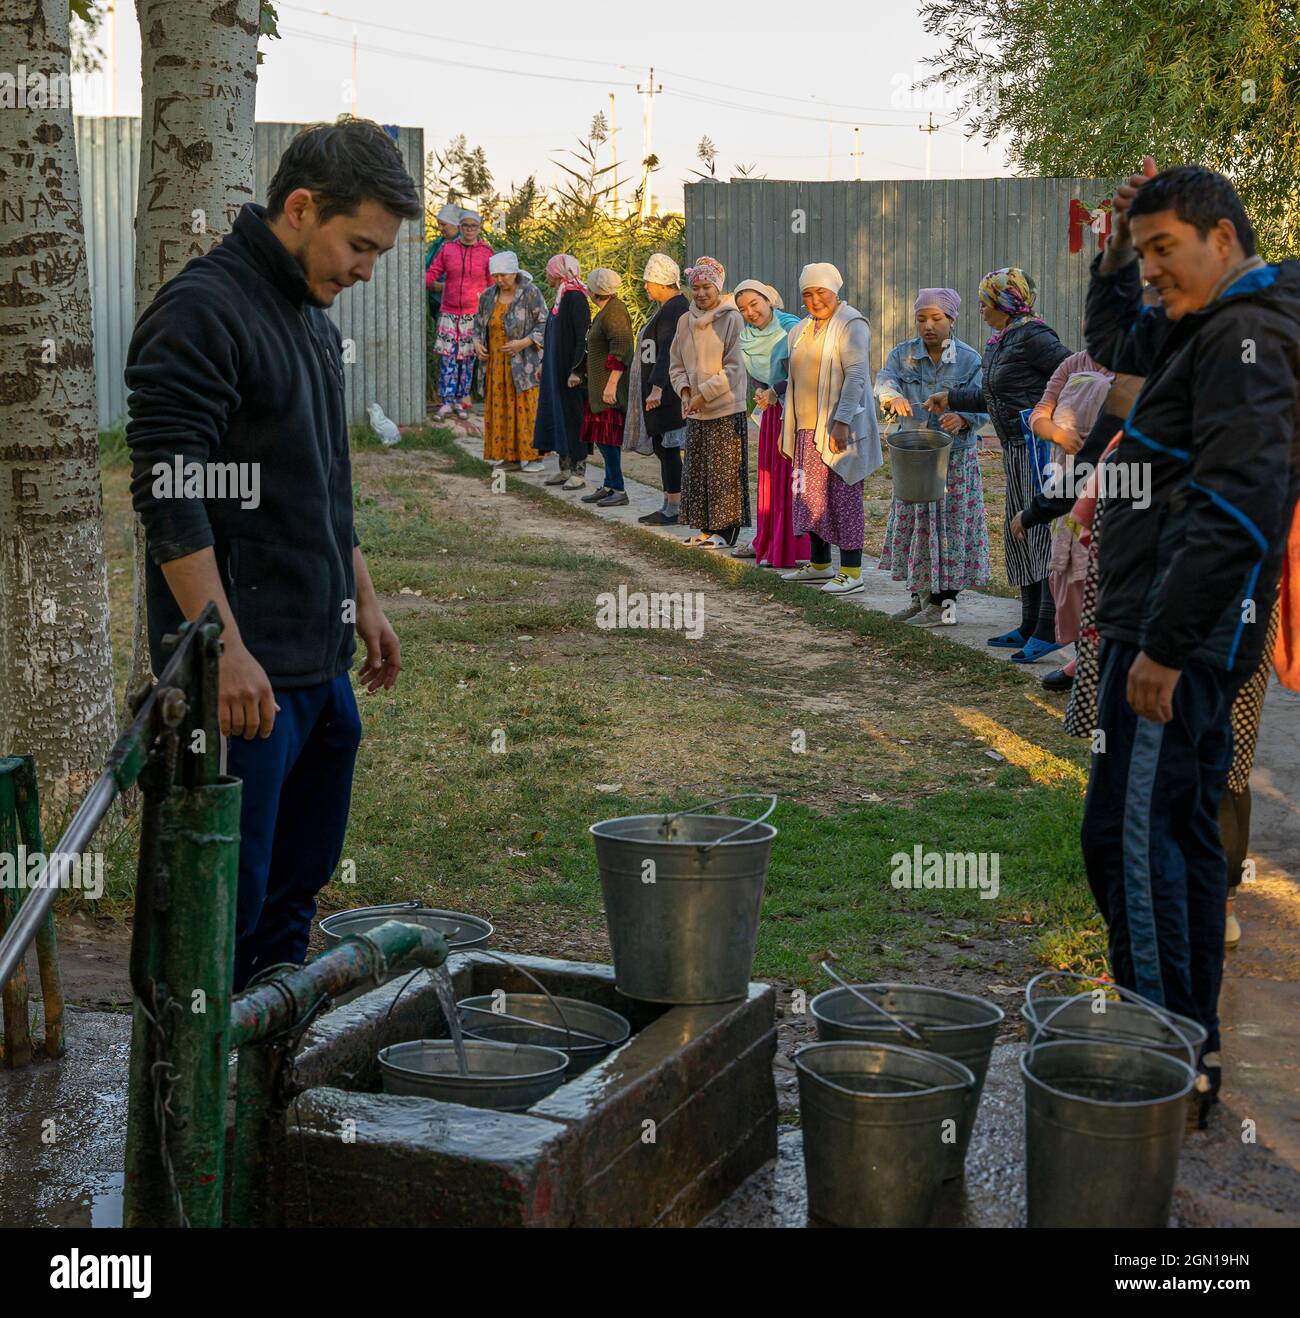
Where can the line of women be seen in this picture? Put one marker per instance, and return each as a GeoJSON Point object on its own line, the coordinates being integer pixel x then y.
{"type": "Point", "coordinates": [563, 380]}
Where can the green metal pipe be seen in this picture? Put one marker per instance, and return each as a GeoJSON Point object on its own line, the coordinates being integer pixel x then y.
{"type": "Point", "coordinates": [259, 1120]}
{"type": "Point", "coordinates": [178, 1071]}
{"type": "Point", "coordinates": [283, 1001]}
{"type": "Point", "coordinates": [279, 1004]}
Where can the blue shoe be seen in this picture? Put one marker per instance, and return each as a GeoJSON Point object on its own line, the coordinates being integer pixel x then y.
{"type": "Point", "coordinates": [1007, 641]}
{"type": "Point", "coordinates": [1034, 651]}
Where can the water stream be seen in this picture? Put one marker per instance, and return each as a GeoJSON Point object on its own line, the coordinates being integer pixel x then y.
{"type": "Point", "coordinates": [447, 1000]}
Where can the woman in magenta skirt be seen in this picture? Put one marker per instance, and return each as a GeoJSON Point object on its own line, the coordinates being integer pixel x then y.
{"type": "Point", "coordinates": [764, 347]}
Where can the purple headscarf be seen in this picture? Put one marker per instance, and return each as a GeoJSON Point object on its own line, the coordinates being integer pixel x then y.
{"type": "Point", "coordinates": [947, 300]}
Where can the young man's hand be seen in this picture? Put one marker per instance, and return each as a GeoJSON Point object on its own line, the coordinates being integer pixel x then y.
{"type": "Point", "coordinates": [245, 699]}
{"type": "Point", "coordinates": [383, 653]}
{"type": "Point", "coordinates": [1151, 689]}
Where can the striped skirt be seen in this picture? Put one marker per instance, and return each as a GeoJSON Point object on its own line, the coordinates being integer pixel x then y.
{"type": "Point", "coordinates": [1030, 559]}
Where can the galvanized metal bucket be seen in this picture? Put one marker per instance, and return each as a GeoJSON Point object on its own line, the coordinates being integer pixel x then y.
{"type": "Point", "coordinates": [952, 1024]}
{"type": "Point", "coordinates": [459, 930]}
{"type": "Point", "coordinates": [584, 1031]}
{"type": "Point", "coordinates": [918, 465]}
{"type": "Point", "coordinates": [1104, 1126]}
{"type": "Point", "coordinates": [1133, 1020]}
{"type": "Point", "coordinates": [879, 1122]}
{"type": "Point", "coordinates": [682, 899]}
{"type": "Point", "coordinates": [510, 1077]}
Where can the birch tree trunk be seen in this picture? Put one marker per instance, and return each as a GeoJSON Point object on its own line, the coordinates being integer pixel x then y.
{"type": "Point", "coordinates": [199, 73]}
{"type": "Point", "coordinates": [56, 681]}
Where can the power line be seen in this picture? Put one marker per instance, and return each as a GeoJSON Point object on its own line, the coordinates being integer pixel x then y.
{"type": "Point", "coordinates": [597, 63]}
{"type": "Point", "coordinates": [446, 40]}
{"type": "Point", "coordinates": [457, 64]}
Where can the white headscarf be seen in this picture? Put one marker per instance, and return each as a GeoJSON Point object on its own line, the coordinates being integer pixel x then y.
{"type": "Point", "coordinates": [450, 214]}
{"type": "Point", "coordinates": [763, 290]}
{"type": "Point", "coordinates": [507, 263]}
{"type": "Point", "coordinates": [661, 269]}
{"type": "Point", "coordinates": [821, 274]}
{"type": "Point", "coordinates": [604, 282]}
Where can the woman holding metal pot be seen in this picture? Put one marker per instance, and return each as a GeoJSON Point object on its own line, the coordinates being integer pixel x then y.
{"type": "Point", "coordinates": [1019, 359]}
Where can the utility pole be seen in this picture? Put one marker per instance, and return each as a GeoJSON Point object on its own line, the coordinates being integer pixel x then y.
{"type": "Point", "coordinates": [857, 153]}
{"type": "Point", "coordinates": [929, 130]}
{"type": "Point", "coordinates": [613, 151]}
{"type": "Point", "coordinates": [830, 147]}
{"type": "Point", "coordinates": [354, 72]}
{"type": "Point", "coordinates": [648, 94]}
{"type": "Point", "coordinates": [112, 59]}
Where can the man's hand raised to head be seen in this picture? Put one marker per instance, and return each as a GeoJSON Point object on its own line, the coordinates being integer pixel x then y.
{"type": "Point", "coordinates": [1121, 237]}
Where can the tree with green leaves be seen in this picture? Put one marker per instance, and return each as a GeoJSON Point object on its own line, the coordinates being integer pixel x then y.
{"type": "Point", "coordinates": [1085, 90]}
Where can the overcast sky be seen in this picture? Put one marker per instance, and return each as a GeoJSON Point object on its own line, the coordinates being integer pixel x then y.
{"type": "Point", "coordinates": [771, 91]}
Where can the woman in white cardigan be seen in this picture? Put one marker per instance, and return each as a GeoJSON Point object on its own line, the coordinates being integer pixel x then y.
{"type": "Point", "coordinates": [829, 430]}
{"type": "Point", "coordinates": [707, 370]}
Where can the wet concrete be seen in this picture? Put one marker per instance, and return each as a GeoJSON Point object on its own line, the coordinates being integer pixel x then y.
{"type": "Point", "coordinates": [659, 1132]}
{"type": "Point", "coordinates": [63, 1131]}
{"type": "Point", "coordinates": [1221, 1180]}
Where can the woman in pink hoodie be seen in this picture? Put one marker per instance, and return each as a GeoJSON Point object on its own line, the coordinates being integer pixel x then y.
{"type": "Point", "coordinates": [458, 274]}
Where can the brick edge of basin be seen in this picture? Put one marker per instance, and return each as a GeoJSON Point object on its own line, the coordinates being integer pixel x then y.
{"type": "Point", "coordinates": [584, 1156]}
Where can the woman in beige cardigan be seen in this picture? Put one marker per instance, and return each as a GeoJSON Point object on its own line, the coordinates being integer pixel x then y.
{"type": "Point", "coordinates": [707, 371]}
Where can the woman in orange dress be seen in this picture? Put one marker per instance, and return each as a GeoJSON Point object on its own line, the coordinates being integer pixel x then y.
{"type": "Point", "coordinates": [509, 327]}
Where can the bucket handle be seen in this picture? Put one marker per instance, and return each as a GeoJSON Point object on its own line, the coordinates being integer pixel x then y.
{"type": "Point", "coordinates": [875, 1006]}
{"type": "Point", "coordinates": [722, 800]}
{"type": "Point", "coordinates": [537, 1025]}
{"type": "Point", "coordinates": [1126, 995]}
{"type": "Point", "coordinates": [559, 1011]}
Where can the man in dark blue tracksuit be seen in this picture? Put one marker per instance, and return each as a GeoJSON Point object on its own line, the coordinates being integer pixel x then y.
{"type": "Point", "coordinates": [1186, 583]}
{"type": "Point", "coordinates": [235, 362]}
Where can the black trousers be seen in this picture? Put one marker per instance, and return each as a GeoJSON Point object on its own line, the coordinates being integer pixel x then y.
{"type": "Point", "coordinates": [670, 466]}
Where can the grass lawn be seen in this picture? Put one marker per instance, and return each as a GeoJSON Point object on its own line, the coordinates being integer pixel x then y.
{"type": "Point", "coordinates": [517, 722]}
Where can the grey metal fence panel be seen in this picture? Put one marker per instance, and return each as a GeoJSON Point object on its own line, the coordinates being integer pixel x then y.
{"type": "Point", "coordinates": [382, 322]}
{"type": "Point", "coordinates": [890, 238]}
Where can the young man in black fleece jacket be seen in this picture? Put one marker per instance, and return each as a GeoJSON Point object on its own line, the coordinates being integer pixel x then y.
{"type": "Point", "coordinates": [1186, 585]}
{"type": "Point", "coordinates": [236, 362]}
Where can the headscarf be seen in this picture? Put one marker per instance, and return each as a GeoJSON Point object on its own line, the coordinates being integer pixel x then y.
{"type": "Point", "coordinates": [708, 271]}
{"type": "Point", "coordinates": [821, 274]}
{"type": "Point", "coordinates": [450, 214]}
{"type": "Point", "coordinates": [763, 290]}
{"type": "Point", "coordinates": [661, 269]}
{"type": "Point", "coordinates": [564, 269]}
{"type": "Point", "coordinates": [947, 300]}
{"type": "Point", "coordinates": [507, 263]}
{"type": "Point", "coordinates": [1009, 290]}
{"type": "Point", "coordinates": [757, 345]}
{"type": "Point", "coordinates": [470, 215]}
{"type": "Point", "coordinates": [604, 282]}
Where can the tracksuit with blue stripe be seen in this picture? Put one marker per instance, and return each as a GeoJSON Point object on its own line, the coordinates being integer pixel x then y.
{"type": "Point", "coordinates": [1189, 580]}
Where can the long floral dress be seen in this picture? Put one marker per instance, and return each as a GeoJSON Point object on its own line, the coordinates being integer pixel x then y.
{"type": "Point", "coordinates": [509, 414]}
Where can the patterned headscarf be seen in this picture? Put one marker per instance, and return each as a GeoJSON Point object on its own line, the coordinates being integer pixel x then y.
{"type": "Point", "coordinates": [662, 269]}
{"type": "Point", "coordinates": [1009, 289]}
{"type": "Point", "coordinates": [707, 271]}
{"type": "Point", "coordinates": [564, 269]}
{"type": "Point", "coordinates": [1012, 291]}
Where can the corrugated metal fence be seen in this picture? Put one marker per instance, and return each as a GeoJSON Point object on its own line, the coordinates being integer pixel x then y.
{"type": "Point", "coordinates": [384, 319]}
{"type": "Point", "coordinates": [889, 239]}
